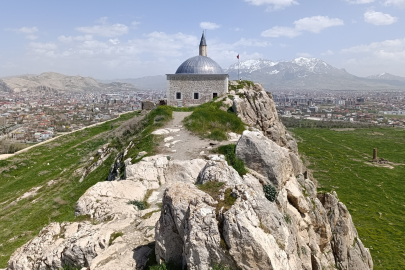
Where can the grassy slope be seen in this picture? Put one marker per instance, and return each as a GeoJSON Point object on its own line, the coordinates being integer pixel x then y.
{"type": "Point", "coordinates": [339, 162]}
{"type": "Point", "coordinates": [208, 120]}
{"type": "Point", "coordinates": [22, 220]}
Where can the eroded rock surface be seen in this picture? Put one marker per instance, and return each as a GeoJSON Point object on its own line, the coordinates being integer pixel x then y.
{"type": "Point", "coordinates": [294, 232]}
{"type": "Point", "coordinates": [233, 223]}
{"type": "Point", "coordinates": [256, 108]}
{"type": "Point", "coordinates": [117, 235]}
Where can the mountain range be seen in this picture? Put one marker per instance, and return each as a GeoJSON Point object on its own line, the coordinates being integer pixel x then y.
{"type": "Point", "coordinates": [298, 74]}
{"type": "Point", "coordinates": [309, 74]}
{"type": "Point", "coordinates": [59, 82]}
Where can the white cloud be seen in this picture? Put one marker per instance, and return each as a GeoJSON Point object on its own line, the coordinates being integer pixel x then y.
{"type": "Point", "coordinates": [379, 18]}
{"type": "Point", "coordinates": [150, 54]}
{"type": "Point", "coordinates": [43, 46]}
{"type": "Point", "coordinates": [105, 29]}
{"type": "Point", "coordinates": [398, 3]}
{"type": "Point", "coordinates": [114, 41]}
{"type": "Point", "coordinates": [304, 55]}
{"type": "Point", "coordinates": [273, 4]}
{"type": "Point", "coordinates": [313, 24]}
{"type": "Point", "coordinates": [32, 37]}
{"type": "Point", "coordinates": [376, 57]}
{"type": "Point", "coordinates": [209, 25]}
{"type": "Point", "coordinates": [236, 29]}
{"type": "Point", "coordinates": [67, 39]}
{"type": "Point", "coordinates": [391, 46]}
{"type": "Point", "coordinates": [252, 43]}
{"type": "Point", "coordinates": [359, 2]}
{"type": "Point", "coordinates": [328, 52]}
{"type": "Point", "coordinates": [135, 23]}
{"type": "Point", "coordinates": [26, 30]}
{"type": "Point", "coordinates": [280, 31]}
{"type": "Point", "coordinates": [316, 23]}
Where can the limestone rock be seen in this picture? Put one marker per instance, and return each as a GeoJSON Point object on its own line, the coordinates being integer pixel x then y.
{"type": "Point", "coordinates": [265, 156]}
{"type": "Point", "coordinates": [154, 171]}
{"type": "Point", "coordinates": [187, 230]}
{"type": "Point", "coordinates": [257, 109]}
{"type": "Point", "coordinates": [109, 199]}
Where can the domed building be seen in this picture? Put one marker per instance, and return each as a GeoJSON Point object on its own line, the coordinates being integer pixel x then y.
{"type": "Point", "coordinates": [198, 80]}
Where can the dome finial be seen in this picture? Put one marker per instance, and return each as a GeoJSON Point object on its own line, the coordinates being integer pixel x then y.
{"type": "Point", "coordinates": [203, 45]}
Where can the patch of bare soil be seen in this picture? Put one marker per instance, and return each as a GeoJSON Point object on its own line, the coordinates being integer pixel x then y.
{"type": "Point", "coordinates": [181, 144]}
{"type": "Point", "coordinates": [342, 129]}
{"type": "Point", "coordinates": [388, 165]}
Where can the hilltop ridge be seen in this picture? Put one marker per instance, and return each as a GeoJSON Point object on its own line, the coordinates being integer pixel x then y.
{"type": "Point", "coordinates": [207, 211]}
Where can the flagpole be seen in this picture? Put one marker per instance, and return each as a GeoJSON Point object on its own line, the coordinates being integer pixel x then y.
{"type": "Point", "coordinates": [238, 67]}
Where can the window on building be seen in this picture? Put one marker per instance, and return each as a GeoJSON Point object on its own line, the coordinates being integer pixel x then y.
{"type": "Point", "coordinates": [196, 95]}
{"type": "Point", "coordinates": [214, 95]}
{"type": "Point", "coordinates": [178, 95]}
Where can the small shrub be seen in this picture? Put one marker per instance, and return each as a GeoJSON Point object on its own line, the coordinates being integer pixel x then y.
{"type": "Point", "coordinates": [141, 205]}
{"type": "Point", "coordinates": [114, 236]}
{"type": "Point", "coordinates": [287, 218]}
{"type": "Point", "coordinates": [223, 244]}
{"type": "Point", "coordinates": [160, 118]}
{"type": "Point", "coordinates": [229, 152]}
{"type": "Point", "coordinates": [71, 267]}
{"type": "Point", "coordinates": [270, 192]}
{"type": "Point", "coordinates": [220, 266]}
{"type": "Point", "coordinates": [264, 228]}
{"type": "Point", "coordinates": [303, 250]}
{"type": "Point", "coordinates": [212, 188]}
{"type": "Point", "coordinates": [218, 135]}
{"type": "Point", "coordinates": [148, 215]}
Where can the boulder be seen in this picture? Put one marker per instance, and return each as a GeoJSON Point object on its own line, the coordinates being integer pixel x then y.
{"type": "Point", "coordinates": [265, 156]}
{"type": "Point", "coordinates": [109, 199]}
{"type": "Point", "coordinates": [154, 171]}
{"type": "Point", "coordinates": [256, 108]}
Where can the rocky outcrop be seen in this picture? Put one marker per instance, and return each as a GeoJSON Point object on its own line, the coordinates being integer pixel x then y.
{"type": "Point", "coordinates": [109, 200]}
{"type": "Point", "coordinates": [95, 161]}
{"type": "Point", "coordinates": [157, 170]}
{"type": "Point", "coordinates": [256, 108]}
{"type": "Point", "coordinates": [116, 235]}
{"type": "Point", "coordinates": [299, 230]}
{"type": "Point", "coordinates": [209, 214]}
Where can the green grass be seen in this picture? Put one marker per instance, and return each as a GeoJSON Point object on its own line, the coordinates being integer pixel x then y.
{"type": "Point", "coordinates": [229, 152]}
{"type": "Point", "coordinates": [213, 188]}
{"type": "Point", "coordinates": [147, 141]}
{"type": "Point", "coordinates": [340, 162]}
{"type": "Point", "coordinates": [21, 221]}
{"type": "Point", "coordinates": [114, 236]}
{"type": "Point", "coordinates": [209, 121]}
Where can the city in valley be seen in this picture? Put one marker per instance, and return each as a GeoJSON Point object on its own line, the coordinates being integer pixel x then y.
{"type": "Point", "coordinates": [373, 107]}
{"type": "Point", "coordinates": [30, 117]}
{"type": "Point", "coordinates": [33, 116]}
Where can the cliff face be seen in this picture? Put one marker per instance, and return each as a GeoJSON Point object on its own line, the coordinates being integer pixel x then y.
{"type": "Point", "coordinates": [270, 218]}
{"type": "Point", "coordinates": [300, 229]}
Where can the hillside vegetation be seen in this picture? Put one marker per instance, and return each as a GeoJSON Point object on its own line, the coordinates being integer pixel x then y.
{"type": "Point", "coordinates": [210, 121]}
{"type": "Point", "coordinates": [51, 172]}
{"type": "Point", "coordinates": [374, 195]}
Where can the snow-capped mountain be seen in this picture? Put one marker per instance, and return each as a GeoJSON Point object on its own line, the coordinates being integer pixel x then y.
{"type": "Point", "coordinates": [303, 73]}
{"type": "Point", "coordinates": [386, 76]}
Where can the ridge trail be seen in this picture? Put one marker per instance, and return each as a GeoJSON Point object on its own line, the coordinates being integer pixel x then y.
{"type": "Point", "coordinates": [182, 144]}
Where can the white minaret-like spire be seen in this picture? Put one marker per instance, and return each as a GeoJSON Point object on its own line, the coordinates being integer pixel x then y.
{"type": "Point", "coordinates": [203, 46]}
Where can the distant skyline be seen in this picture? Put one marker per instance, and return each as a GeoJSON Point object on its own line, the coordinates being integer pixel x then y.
{"type": "Point", "coordinates": [131, 39]}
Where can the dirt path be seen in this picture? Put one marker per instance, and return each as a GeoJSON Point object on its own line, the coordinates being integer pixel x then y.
{"type": "Point", "coordinates": [181, 144]}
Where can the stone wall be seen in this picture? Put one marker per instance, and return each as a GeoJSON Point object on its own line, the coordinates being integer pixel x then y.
{"type": "Point", "coordinates": [188, 84]}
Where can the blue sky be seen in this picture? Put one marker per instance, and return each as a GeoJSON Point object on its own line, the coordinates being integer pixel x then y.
{"type": "Point", "coordinates": [129, 39]}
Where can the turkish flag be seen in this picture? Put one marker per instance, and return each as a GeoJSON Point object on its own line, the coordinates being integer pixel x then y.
{"type": "Point", "coordinates": [237, 56]}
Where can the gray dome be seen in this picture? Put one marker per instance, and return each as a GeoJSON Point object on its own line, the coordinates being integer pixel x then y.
{"type": "Point", "coordinates": [199, 65]}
